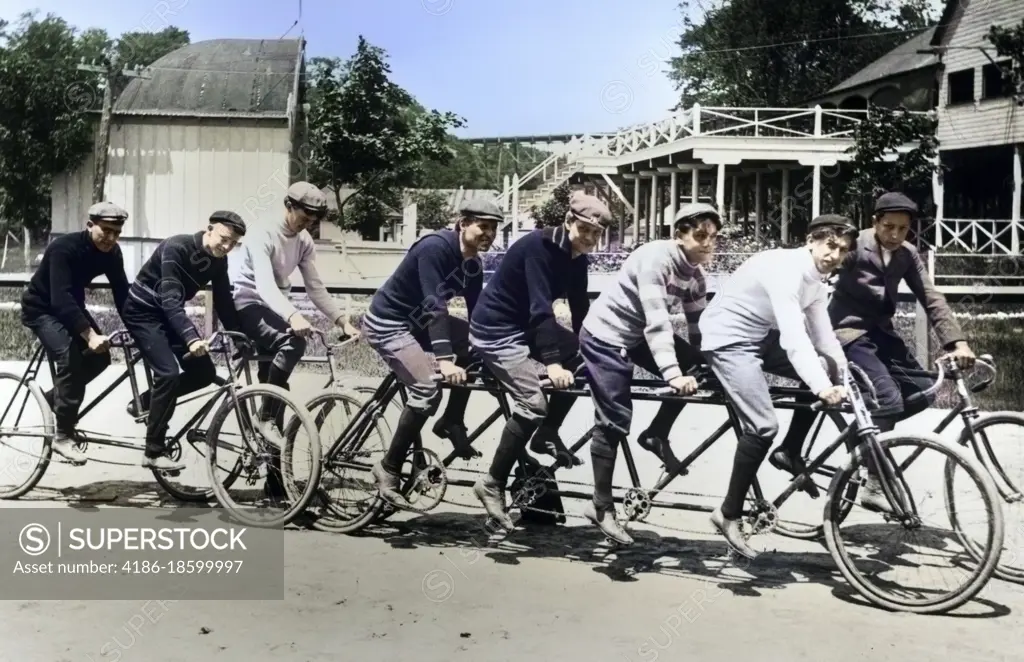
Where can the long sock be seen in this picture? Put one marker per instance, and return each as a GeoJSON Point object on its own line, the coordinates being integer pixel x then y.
{"type": "Point", "coordinates": [750, 453]}
{"type": "Point", "coordinates": [272, 407]}
{"type": "Point", "coordinates": [455, 412]}
{"type": "Point", "coordinates": [408, 429]}
{"type": "Point", "coordinates": [514, 437]}
{"type": "Point", "coordinates": [799, 427]}
{"type": "Point", "coordinates": [558, 409]}
{"type": "Point", "coordinates": [666, 417]}
{"type": "Point", "coordinates": [603, 448]}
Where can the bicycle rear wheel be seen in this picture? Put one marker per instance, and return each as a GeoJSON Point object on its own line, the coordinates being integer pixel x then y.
{"type": "Point", "coordinates": [279, 475]}
{"type": "Point", "coordinates": [993, 434]}
{"type": "Point", "coordinates": [347, 498]}
{"type": "Point", "coordinates": [27, 429]}
{"type": "Point", "coordinates": [920, 539]}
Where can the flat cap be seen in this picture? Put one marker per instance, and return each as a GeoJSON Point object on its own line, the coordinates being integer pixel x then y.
{"type": "Point", "coordinates": [107, 211]}
{"type": "Point", "coordinates": [894, 201]}
{"type": "Point", "coordinates": [695, 209]}
{"type": "Point", "coordinates": [230, 219]}
{"type": "Point", "coordinates": [588, 208]}
{"type": "Point", "coordinates": [837, 221]}
{"type": "Point", "coordinates": [307, 195]}
{"type": "Point", "coordinates": [482, 208]}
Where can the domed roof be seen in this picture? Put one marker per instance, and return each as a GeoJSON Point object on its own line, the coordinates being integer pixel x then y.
{"type": "Point", "coordinates": [219, 77]}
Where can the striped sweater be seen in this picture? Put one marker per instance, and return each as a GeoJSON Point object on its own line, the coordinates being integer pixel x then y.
{"type": "Point", "coordinates": [655, 284]}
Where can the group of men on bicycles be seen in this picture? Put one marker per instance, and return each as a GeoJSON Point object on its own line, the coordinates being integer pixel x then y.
{"type": "Point", "coordinates": [772, 316]}
{"type": "Point", "coordinates": [249, 288]}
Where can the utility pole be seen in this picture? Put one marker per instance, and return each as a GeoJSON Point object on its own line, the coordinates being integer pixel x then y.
{"type": "Point", "coordinates": [111, 75]}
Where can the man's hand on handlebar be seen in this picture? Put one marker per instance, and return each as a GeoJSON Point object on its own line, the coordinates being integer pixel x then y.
{"type": "Point", "coordinates": [962, 354]}
{"type": "Point", "coordinates": [300, 325]}
{"type": "Point", "coordinates": [199, 348]}
{"type": "Point", "coordinates": [685, 385]}
{"type": "Point", "coordinates": [451, 373]}
{"type": "Point", "coordinates": [347, 330]}
{"type": "Point", "coordinates": [833, 395]}
{"type": "Point", "coordinates": [98, 342]}
{"type": "Point", "coordinates": [560, 377]}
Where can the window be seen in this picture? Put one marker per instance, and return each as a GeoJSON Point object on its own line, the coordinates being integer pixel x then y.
{"type": "Point", "coordinates": [961, 87]}
{"type": "Point", "coordinates": [994, 84]}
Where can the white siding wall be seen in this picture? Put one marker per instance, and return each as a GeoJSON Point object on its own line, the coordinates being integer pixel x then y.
{"type": "Point", "coordinates": [982, 123]}
{"type": "Point", "coordinates": [172, 174]}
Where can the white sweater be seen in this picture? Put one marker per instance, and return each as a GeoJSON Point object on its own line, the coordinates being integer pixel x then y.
{"type": "Point", "coordinates": [260, 270]}
{"type": "Point", "coordinates": [777, 289]}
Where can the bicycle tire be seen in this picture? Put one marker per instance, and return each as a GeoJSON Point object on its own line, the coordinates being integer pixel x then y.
{"type": "Point", "coordinates": [298, 505]}
{"type": "Point", "coordinates": [1006, 569]}
{"type": "Point", "coordinates": [979, 576]}
{"type": "Point", "coordinates": [49, 431]}
{"type": "Point", "coordinates": [333, 518]}
{"type": "Point", "coordinates": [207, 493]}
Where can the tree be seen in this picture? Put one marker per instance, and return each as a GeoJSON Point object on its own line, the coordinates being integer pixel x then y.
{"type": "Point", "coordinates": [41, 132]}
{"type": "Point", "coordinates": [432, 210]}
{"type": "Point", "coordinates": [1009, 42]}
{"type": "Point", "coordinates": [366, 132]}
{"type": "Point", "coordinates": [779, 54]}
{"type": "Point", "coordinates": [879, 138]}
{"type": "Point", "coordinates": [553, 211]}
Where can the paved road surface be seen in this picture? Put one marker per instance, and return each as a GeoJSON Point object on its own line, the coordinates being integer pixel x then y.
{"type": "Point", "coordinates": [427, 587]}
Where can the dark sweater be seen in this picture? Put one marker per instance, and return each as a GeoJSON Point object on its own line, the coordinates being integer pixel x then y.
{"type": "Point", "coordinates": [519, 298]}
{"type": "Point", "coordinates": [57, 287]}
{"type": "Point", "coordinates": [417, 293]}
{"type": "Point", "coordinates": [176, 271]}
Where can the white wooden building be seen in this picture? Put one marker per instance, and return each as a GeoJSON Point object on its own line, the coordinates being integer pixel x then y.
{"type": "Point", "coordinates": [981, 129]}
{"type": "Point", "coordinates": [217, 126]}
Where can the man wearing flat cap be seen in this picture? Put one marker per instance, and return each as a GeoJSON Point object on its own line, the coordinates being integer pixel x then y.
{"type": "Point", "coordinates": [260, 273]}
{"type": "Point", "coordinates": [771, 316]}
{"type": "Point", "coordinates": [514, 331]}
{"type": "Point", "coordinates": [862, 308]}
{"type": "Point", "coordinates": [408, 320]}
{"type": "Point", "coordinates": [631, 323]}
{"type": "Point", "coordinates": [155, 317]}
{"type": "Point", "coordinates": [53, 308]}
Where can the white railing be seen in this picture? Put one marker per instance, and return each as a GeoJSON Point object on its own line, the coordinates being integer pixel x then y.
{"type": "Point", "coordinates": [979, 236]}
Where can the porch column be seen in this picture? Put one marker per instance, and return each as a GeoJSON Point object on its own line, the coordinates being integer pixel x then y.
{"type": "Point", "coordinates": [758, 204]}
{"type": "Point", "coordinates": [734, 196]}
{"type": "Point", "coordinates": [636, 209]}
{"type": "Point", "coordinates": [694, 185]}
{"type": "Point", "coordinates": [673, 196]}
{"type": "Point", "coordinates": [816, 199]}
{"type": "Point", "coordinates": [1015, 213]}
{"type": "Point", "coordinates": [939, 195]}
{"type": "Point", "coordinates": [653, 225]}
{"type": "Point", "coordinates": [786, 205]}
{"type": "Point", "coordinates": [720, 188]}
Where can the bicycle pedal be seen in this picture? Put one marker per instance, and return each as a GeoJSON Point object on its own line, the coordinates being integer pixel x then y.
{"type": "Point", "coordinates": [172, 474]}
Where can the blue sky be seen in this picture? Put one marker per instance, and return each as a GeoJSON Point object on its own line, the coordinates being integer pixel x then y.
{"type": "Point", "coordinates": [510, 67]}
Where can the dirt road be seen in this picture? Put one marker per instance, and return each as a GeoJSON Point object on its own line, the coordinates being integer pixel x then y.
{"type": "Point", "coordinates": [429, 587]}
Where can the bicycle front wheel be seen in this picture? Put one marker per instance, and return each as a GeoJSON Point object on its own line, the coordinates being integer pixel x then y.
{"type": "Point", "coordinates": [27, 429]}
{"type": "Point", "coordinates": [878, 554]}
{"type": "Point", "coordinates": [991, 435]}
{"type": "Point", "coordinates": [277, 476]}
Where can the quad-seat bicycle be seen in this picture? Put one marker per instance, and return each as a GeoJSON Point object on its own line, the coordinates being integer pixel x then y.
{"type": "Point", "coordinates": [347, 500]}
{"type": "Point", "coordinates": [226, 455]}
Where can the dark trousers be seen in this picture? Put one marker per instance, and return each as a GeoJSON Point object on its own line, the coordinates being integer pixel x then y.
{"type": "Point", "coordinates": [271, 334]}
{"type": "Point", "coordinates": [610, 375]}
{"type": "Point", "coordinates": [175, 372]}
{"type": "Point", "coordinates": [886, 360]}
{"type": "Point", "coordinates": [71, 365]}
